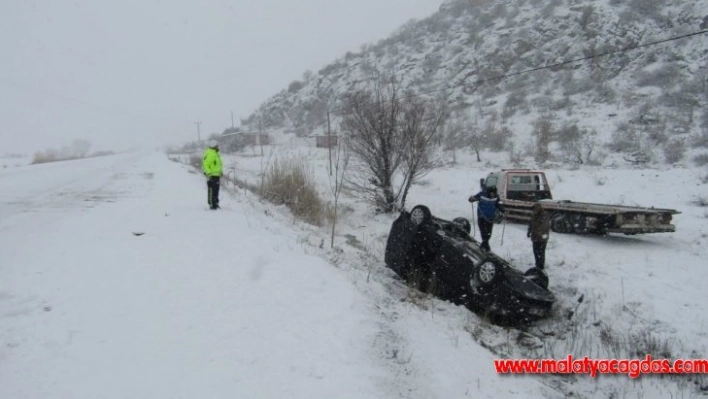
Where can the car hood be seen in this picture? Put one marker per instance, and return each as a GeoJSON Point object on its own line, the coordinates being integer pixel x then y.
{"type": "Point", "coordinates": [522, 285]}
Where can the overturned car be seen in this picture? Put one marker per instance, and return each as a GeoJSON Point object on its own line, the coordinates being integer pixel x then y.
{"type": "Point", "coordinates": [440, 257]}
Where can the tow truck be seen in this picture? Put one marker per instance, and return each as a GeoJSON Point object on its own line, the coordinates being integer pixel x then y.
{"type": "Point", "coordinates": [519, 189]}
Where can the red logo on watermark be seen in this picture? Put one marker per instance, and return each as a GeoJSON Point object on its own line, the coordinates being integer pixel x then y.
{"type": "Point", "coordinates": [631, 367]}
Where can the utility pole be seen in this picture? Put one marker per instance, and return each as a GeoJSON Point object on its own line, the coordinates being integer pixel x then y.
{"type": "Point", "coordinates": [232, 121]}
{"type": "Point", "coordinates": [329, 141]}
{"type": "Point", "coordinates": [199, 135]}
{"type": "Point", "coordinates": [260, 132]}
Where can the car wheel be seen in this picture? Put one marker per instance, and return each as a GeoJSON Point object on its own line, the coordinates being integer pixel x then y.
{"type": "Point", "coordinates": [420, 214]}
{"type": "Point", "coordinates": [488, 273]}
{"type": "Point", "coordinates": [538, 276]}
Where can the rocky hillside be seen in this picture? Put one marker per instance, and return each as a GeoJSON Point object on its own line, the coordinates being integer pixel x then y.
{"type": "Point", "coordinates": [587, 76]}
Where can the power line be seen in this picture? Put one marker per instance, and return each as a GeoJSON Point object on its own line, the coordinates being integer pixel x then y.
{"type": "Point", "coordinates": [626, 49]}
{"type": "Point", "coordinates": [534, 69]}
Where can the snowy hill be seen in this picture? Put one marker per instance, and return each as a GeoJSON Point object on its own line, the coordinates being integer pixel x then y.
{"type": "Point", "coordinates": [585, 65]}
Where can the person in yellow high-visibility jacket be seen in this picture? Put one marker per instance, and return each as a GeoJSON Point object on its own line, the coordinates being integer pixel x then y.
{"type": "Point", "coordinates": [211, 166]}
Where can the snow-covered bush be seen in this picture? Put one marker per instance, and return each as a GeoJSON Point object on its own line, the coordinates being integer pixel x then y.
{"type": "Point", "coordinates": [624, 139]}
{"type": "Point", "coordinates": [701, 140]}
{"type": "Point", "coordinates": [701, 159]}
{"type": "Point", "coordinates": [674, 150]}
{"type": "Point", "coordinates": [543, 132]}
{"type": "Point", "coordinates": [701, 200]}
{"type": "Point", "coordinates": [78, 149]}
{"type": "Point", "coordinates": [196, 161]}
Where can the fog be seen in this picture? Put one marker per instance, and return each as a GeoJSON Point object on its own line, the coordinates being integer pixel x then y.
{"type": "Point", "coordinates": [141, 73]}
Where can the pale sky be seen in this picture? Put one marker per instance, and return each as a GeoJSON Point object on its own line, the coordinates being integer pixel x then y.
{"type": "Point", "coordinates": [141, 72]}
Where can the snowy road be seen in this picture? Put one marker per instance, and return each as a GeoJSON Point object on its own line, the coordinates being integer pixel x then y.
{"type": "Point", "coordinates": [203, 305]}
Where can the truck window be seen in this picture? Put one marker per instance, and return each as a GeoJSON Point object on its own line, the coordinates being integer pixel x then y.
{"type": "Point", "coordinates": [523, 183]}
{"type": "Point", "coordinates": [528, 187]}
{"type": "Point", "coordinates": [491, 181]}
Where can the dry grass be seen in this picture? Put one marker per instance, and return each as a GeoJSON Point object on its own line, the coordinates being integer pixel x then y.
{"type": "Point", "coordinates": [240, 183]}
{"type": "Point", "coordinates": [701, 159]}
{"type": "Point", "coordinates": [56, 156]}
{"type": "Point", "coordinates": [290, 182]}
{"type": "Point", "coordinates": [196, 161]}
{"type": "Point", "coordinates": [286, 182]}
{"type": "Point", "coordinates": [49, 156]}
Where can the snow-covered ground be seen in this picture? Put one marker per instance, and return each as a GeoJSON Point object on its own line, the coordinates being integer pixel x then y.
{"type": "Point", "coordinates": [203, 304]}
{"type": "Point", "coordinates": [641, 294]}
{"type": "Point", "coordinates": [14, 161]}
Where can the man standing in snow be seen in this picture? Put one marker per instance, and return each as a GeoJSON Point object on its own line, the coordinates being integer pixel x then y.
{"type": "Point", "coordinates": [211, 166]}
{"type": "Point", "coordinates": [486, 212]}
{"type": "Point", "coordinates": [539, 229]}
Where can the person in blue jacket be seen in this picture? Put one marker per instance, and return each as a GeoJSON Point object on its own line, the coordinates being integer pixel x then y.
{"type": "Point", "coordinates": [486, 212]}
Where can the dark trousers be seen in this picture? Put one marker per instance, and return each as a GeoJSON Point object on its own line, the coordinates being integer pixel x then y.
{"type": "Point", "coordinates": [213, 191]}
{"type": "Point", "coordinates": [539, 253]}
{"type": "Point", "coordinates": [485, 229]}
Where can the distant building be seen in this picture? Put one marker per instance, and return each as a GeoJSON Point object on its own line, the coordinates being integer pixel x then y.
{"type": "Point", "coordinates": [255, 138]}
{"type": "Point", "coordinates": [326, 141]}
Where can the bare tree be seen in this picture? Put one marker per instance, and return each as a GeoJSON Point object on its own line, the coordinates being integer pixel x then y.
{"type": "Point", "coordinates": [675, 150]}
{"type": "Point", "coordinates": [543, 130]}
{"type": "Point", "coordinates": [371, 120]}
{"type": "Point", "coordinates": [421, 123]}
{"type": "Point", "coordinates": [453, 137]}
{"type": "Point", "coordinates": [494, 134]}
{"type": "Point", "coordinates": [337, 176]}
{"type": "Point", "coordinates": [576, 144]}
{"type": "Point", "coordinates": [391, 138]}
{"type": "Point", "coordinates": [474, 136]}
{"type": "Point", "coordinates": [324, 96]}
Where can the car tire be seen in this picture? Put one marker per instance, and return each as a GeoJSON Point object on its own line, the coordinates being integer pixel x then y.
{"type": "Point", "coordinates": [488, 273]}
{"type": "Point", "coordinates": [420, 215]}
{"type": "Point", "coordinates": [538, 276]}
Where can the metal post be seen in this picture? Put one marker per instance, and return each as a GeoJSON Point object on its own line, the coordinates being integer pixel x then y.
{"type": "Point", "coordinates": [199, 135]}
{"type": "Point", "coordinates": [474, 223]}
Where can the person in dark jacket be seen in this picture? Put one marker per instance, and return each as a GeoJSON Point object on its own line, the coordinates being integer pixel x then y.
{"type": "Point", "coordinates": [486, 213]}
{"type": "Point", "coordinates": [539, 229]}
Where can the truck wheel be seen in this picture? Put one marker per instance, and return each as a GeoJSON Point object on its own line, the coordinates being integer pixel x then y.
{"type": "Point", "coordinates": [559, 223]}
{"type": "Point", "coordinates": [420, 214]}
{"type": "Point", "coordinates": [578, 223]}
